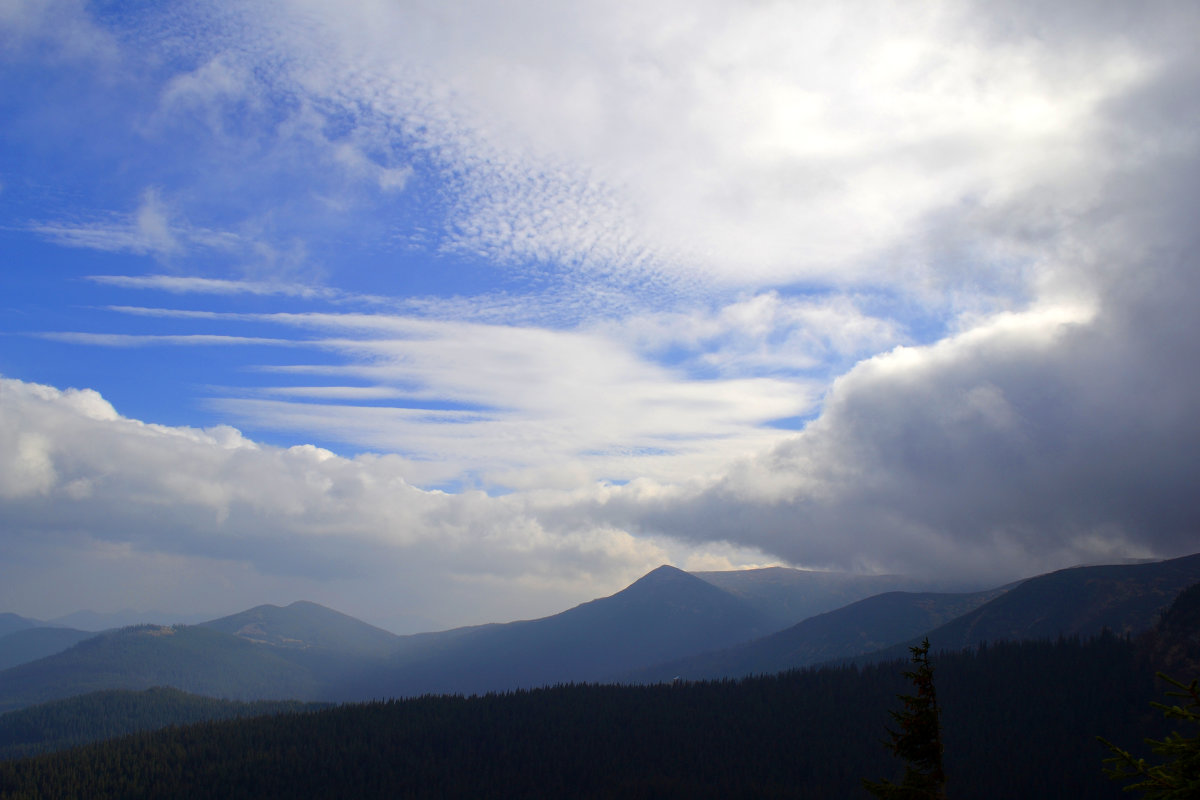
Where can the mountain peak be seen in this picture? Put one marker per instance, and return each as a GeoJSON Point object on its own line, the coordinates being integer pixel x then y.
{"type": "Point", "coordinates": [665, 572]}
{"type": "Point", "coordinates": [305, 625]}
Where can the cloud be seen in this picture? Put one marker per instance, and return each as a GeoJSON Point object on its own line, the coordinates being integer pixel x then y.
{"type": "Point", "coordinates": [665, 395]}
{"type": "Point", "coordinates": [59, 29]}
{"type": "Point", "coordinates": [776, 144]}
{"type": "Point", "coordinates": [134, 340]}
{"type": "Point", "coordinates": [79, 479]}
{"type": "Point", "coordinates": [149, 230]}
{"type": "Point", "coordinates": [1026, 440]}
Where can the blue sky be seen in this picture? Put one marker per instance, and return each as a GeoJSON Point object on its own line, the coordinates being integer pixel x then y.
{"type": "Point", "coordinates": [448, 313]}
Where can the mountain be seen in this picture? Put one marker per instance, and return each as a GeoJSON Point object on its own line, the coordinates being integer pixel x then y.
{"type": "Point", "coordinates": [862, 627]}
{"type": "Point", "coordinates": [31, 644]}
{"type": "Point", "coordinates": [1080, 601]}
{"type": "Point", "coordinates": [787, 596]}
{"type": "Point", "coordinates": [307, 626]}
{"type": "Point", "coordinates": [1174, 644]}
{"type": "Point", "coordinates": [11, 623]}
{"type": "Point", "coordinates": [102, 621]}
{"type": "Point", "coordinates": [666, 614]}
{"type": "Point", "coordinates": [306, 651]}
{"type": "Point", "coordinates": [191, 658]}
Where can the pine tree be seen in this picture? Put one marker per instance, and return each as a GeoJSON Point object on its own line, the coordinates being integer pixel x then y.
{"type": "Point", "coordinates": [1177, 778]}
{"type": "Point", "coordinates": [918, 740]}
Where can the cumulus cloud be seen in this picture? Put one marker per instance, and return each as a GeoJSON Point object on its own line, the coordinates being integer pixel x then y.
{"type": "Point", "coordinates": [1045, 437]}
{"type": "Point", "coordinates": [78, 478]}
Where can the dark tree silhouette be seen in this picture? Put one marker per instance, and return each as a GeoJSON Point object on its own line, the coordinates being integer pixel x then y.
{"type": "Point", "coordinates": [1177, 778]}
{"type": "Point", "coordinates": [918, 739]}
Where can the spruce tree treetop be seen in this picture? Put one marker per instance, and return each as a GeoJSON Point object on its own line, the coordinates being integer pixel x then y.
{"type": "Point", "coordinates": [1177, 778]}
{"type": "Point", "coordinates": [917, 739]}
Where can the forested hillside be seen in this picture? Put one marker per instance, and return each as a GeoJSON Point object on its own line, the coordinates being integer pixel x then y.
{"type": "Point", "coordinates": [1020, 721]}
{"type": "Point", "coordinates": [108, 714]}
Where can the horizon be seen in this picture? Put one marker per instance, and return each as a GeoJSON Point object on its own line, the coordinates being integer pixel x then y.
{"type": "Point", "coordinates": [442, 316]}
{"type": "Point", "coordinates": [131, 617]}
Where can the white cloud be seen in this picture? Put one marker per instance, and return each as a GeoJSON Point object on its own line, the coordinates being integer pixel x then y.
{"type": "Point", "coordinates": [191, 284]}
{"type": "Point", "coordinates": [767, 143]}
{"type": "Point", "coordinates": [530, 401]}
{"type": "Point", "coordinates": [60, 29]}
{"type": "Point", "coordinates": [185, 498]}
{"type": "Point", "coordinates": [663, 395]}
{"type": "Point", "coordinates": [150, 230]}
{"type": "Point", "coordinates": [144, 340]}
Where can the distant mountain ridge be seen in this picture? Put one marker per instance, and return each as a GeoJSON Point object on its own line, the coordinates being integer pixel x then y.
{"type": "Point", "coordinates": [191, 658]}
{"type": "Point", "coordinates": [670, 618]}
{"type": "Point", "coordinates": [664, 614]}
{"type": "Point", "coordinates": [306, 651]}
{"type": "Point", "coordinates": [787, 596]}
{"type": "Point", "coordinates": [862, 627]}
{"type": "Point", "coordinates": [1125, 599]}
{"type": "Point", "coordinates": [30, 644]}
{"type": "Point", "coordinates": [307, 626]}
{"type": "Point", "coordinates": [11, 623]}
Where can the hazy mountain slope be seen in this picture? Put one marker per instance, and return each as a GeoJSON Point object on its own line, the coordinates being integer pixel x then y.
{"type": "Point", "coordinates": [306, 651]}
{"type": "Point", "coordinates": [1083, 601]}
{"type": "Point", "coordinates": [191, 658]}
{"type": "Point", "coordinates": [93, 717]}
{"type": "Point", "coordinates": [126, 618]}
{"type": "Point", "coordinates": [861, 627]}
{"type": "Point", "coordinates": [337, 650]}
{"type": "Point", "coordinates": [787, 596]}
{"type": "Point", "coordinates": [10, 623]}
{"type": "Point", "coordinates": [307, 626]}
{"type": "Point", "coordinates": [666, 614]}
{"type": "Point", "coordinates": [31, 644]}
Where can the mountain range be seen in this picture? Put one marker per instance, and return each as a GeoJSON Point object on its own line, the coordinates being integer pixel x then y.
{"type": "Point", "coordinates": [667, 624]}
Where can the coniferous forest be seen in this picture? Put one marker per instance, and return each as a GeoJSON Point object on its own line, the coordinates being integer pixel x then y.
{"type": "Point", "coordinates": [1020, 720]}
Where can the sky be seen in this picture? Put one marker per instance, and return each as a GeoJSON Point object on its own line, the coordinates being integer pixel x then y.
{"type": "Point", "coordinates": [457, 312]}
